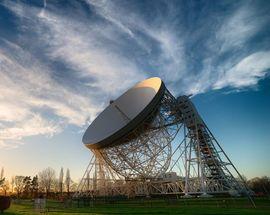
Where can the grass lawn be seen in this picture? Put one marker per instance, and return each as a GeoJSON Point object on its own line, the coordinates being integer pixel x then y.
{"type": "Point", "coordinates": [181, 206]}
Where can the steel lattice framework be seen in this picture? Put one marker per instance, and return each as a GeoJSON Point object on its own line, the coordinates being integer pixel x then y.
{"type": "Point", "coordinates": [171, 152]}
{"type": "Point", "coordinates": [148, 155]}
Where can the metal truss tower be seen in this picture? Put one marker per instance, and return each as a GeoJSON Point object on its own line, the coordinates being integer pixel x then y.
{"type": "Point", "coordinates": [171, 152]}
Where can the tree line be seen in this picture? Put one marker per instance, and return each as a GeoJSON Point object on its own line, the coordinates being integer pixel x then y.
{"type": "Point", "coordinates": [45, 183]}
{"type": "Point", "coordinates": [260, 185]}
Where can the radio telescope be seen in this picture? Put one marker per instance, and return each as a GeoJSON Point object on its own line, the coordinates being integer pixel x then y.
{"type": "Point", "coordinates": [147, 142]}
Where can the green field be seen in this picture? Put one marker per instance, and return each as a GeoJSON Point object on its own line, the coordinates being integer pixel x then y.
{"type": "Point", "coordinates": [179, 206]}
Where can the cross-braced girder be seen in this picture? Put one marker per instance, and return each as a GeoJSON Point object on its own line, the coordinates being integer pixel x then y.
{"type": "Point", "coordinates": [171, 152]}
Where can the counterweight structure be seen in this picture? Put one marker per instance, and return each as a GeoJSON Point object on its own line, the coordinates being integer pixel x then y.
{"type": "Point", "coordinates": [170, 151]}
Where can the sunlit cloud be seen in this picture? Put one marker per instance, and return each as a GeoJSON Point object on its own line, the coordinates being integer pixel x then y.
{"type": "Point", "coordinates": [11, 136]}
{"type": "Point", "coordinates": [29, 94]}
{"type": "Point", "coordinates": [62, 69]}
{"type": "Point", "coordinates": [247, 72]}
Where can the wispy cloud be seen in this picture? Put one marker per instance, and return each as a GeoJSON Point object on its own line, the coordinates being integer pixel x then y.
{"type": "Point", "coordinates": [29, 94]}
{"type": "Point", "coordinates": [11, 136]}
{"type": "Point", "coordinates": [238, 28]}
{"type": "Point", "coordinates": [247, 72]}
{"type": "Point", "coordinates": [162, 43]}
{"type": "Point", "coordinates": [228, 48]}
{"type": "Point", "coordinates": [63, 65]}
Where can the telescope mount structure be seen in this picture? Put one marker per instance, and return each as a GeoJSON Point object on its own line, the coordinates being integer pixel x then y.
{"type": "Point", "coordinates": [165, 148]}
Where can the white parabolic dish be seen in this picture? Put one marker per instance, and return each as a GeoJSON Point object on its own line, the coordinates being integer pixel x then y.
{"type": "Point", "coordinates": [124, 114]}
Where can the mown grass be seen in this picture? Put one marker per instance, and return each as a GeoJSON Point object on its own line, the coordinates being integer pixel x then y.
{"type": "Point", "coordinates": [181, 206]}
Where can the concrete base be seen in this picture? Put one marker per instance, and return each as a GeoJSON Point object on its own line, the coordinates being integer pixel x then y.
{"type": "Point", "coordinates": [205, 195]}
{"type": "Point", "coordinates": [187, 196]}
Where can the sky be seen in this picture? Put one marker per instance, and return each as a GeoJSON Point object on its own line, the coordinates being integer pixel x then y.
{"type": "Point", "coordinates": [62, 61]}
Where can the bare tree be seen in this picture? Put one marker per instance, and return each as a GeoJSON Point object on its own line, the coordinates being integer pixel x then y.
{"type": "Point", "coordinates": [34, 186]}
{"type": "Point", "coordinates": [46, 179]}
{"type": "Point", "coordinates": [261, 185]}
{"type": "Point", "coordinates": [68, 181]}
{"type": "Point", "coordinates": [12, 184]}
{"type": "Point", "coordinates": [61, 180]}
{"type": "Point", "coordinates": [2, 179]}
{"type": "Point", "coordinates": [19, 184]}
{"type": "Point", "coordinates": [27, 186]}
{"type": "Point", "coordinates": [73, 187]}
{"type": "Point", "coordinates": [3, 183]}
{"type": "Point", "coordinates": [2, 173]}
{"type": "Point", "coordinates": [5, 187]}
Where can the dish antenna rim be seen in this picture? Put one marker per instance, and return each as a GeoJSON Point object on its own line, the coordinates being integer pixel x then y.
{"type": "Point", "coordinates": [151, 89]}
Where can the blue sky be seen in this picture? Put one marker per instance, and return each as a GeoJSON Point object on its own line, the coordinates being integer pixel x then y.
{"type": "Point", "coordinates": [62, 61]}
